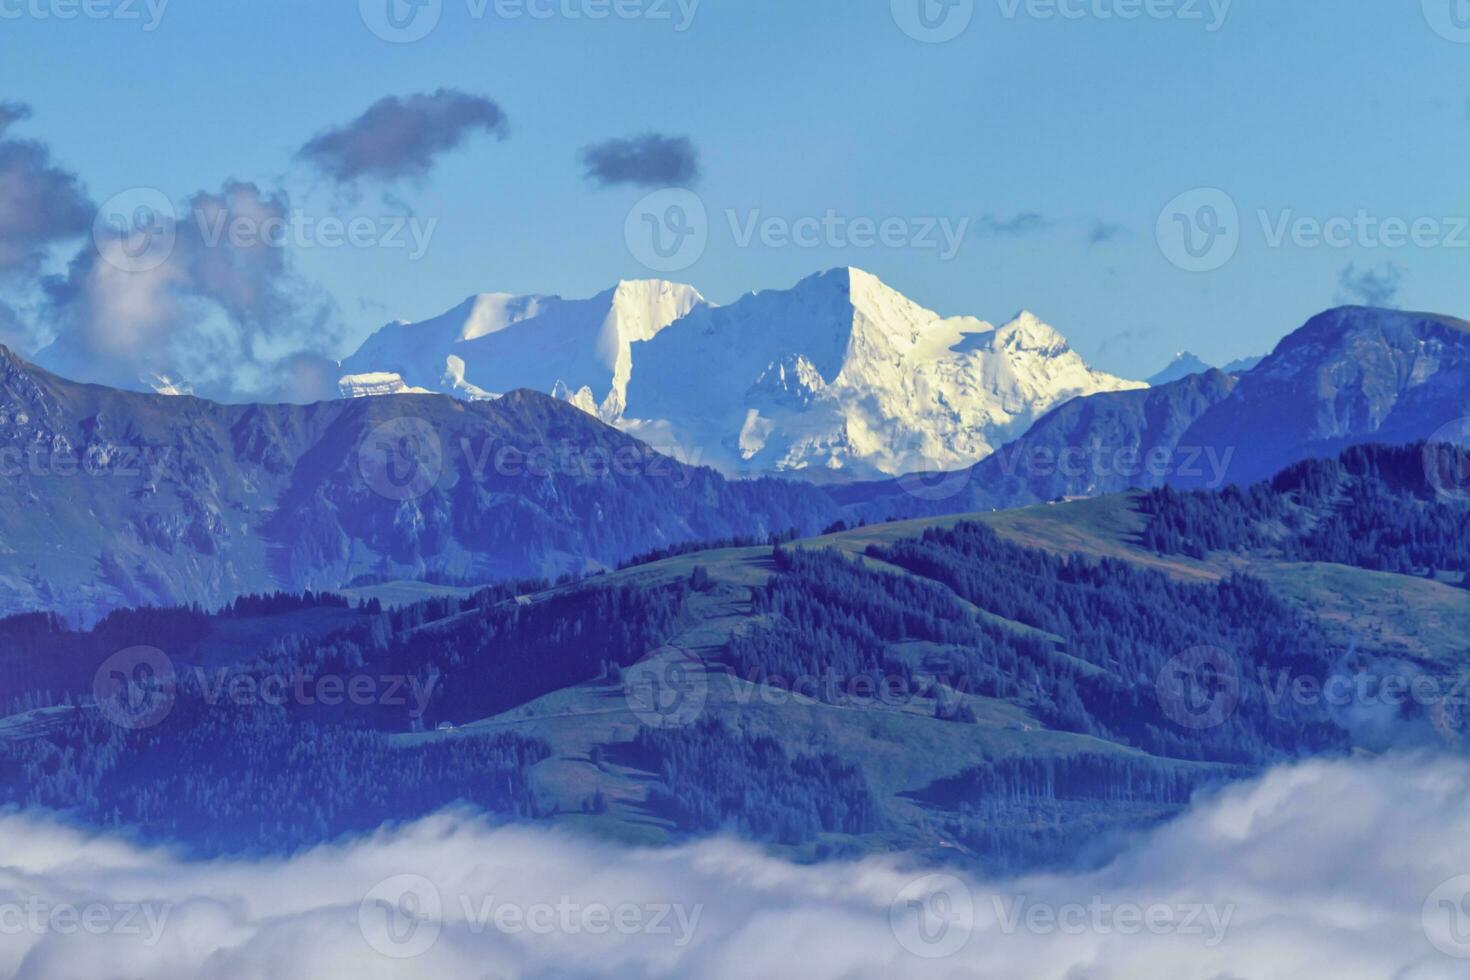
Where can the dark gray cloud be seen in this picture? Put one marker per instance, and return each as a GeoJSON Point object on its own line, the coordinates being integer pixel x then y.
{"type": "Point", "coordinates": [304, 378]}
{"type": "Point", "coordinates": [649, 160]}
{"type": "Point", "coordinates": [1371, 287]}
{"type": "Point", "coordinates": [11, 113]}
{"type": "Point", "coordinates": [217, 305]}
{"type": "Point", "coordinates": [1025, 223]}
{"type": "Point", "coordinates": [40, 203]}
{"type": "Point", "coordinates": [1103, 232]}
{"type": "Point", "coordinates": [402, 137]}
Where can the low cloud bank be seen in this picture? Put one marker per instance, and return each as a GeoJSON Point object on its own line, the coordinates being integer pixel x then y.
{"type": "Point", "coordinates": [1345, 869]}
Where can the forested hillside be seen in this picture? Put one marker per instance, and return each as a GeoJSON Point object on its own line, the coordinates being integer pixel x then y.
{"type": "Point", "coordinates": [1390, 509]}
{"type": "Point", "coordinates": [940, 685]}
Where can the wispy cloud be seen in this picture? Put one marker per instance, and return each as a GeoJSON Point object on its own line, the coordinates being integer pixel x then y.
{"type": "Point", "coordinates": [403, 137]}
{"type": "Point", "coordinates": [1024, 223]}
{"type": "Point", "coordinates": [649, 160]}
{"type": "Point", "coordinates": [209, 308]}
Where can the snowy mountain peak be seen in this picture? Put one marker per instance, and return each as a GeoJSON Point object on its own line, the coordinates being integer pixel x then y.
{"type": "Point", "coordinates": [839, 372]}
{"type": "Point", "coordinates": [498, 342]}
{"type": "Point", "coordinates": [640, 308]}
{"type": "Point", "coordinates": [1028, 332]}
{"type": "Point", "coordinates": [843, 372]}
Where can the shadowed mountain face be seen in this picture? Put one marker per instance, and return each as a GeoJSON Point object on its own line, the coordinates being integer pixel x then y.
{"type": "Point", "coordinates": [119, 499]}
{"type": "Point", "coordinates": [1350, 376]}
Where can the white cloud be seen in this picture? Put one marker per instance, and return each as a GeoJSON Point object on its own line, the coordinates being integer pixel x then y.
{"type": "Point", "coordinates": [1317, 870]}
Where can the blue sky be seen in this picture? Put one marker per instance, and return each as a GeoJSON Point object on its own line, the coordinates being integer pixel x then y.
{"type": "Point", "coordinates": [1321, 109]}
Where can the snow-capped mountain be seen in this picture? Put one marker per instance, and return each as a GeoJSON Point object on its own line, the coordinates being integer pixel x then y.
{"type": "Point", "coordinates": [839, 375]}
{"type": "Point", "coordinates": [843, 373]}
{"type": "Point", "coordinates": [496, 342]}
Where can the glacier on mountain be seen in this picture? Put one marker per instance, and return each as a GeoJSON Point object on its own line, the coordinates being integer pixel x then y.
{"type": "Point", "coordinates": [840, 375]}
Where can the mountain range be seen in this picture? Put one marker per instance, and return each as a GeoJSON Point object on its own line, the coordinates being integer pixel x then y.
{"type": "Point", "coordinates": [838, 377]}
{"type": "Point", "coordinates": [1350, 375]}
{"type": "Point", "coordinates": [1186, 363]}
{"type": "Point", "coordinates": [115, 499]}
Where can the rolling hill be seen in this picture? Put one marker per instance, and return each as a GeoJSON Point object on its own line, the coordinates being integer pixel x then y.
{"type": "Point", "coordinates": [986, 689]}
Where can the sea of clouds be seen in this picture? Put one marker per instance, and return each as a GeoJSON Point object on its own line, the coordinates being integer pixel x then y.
{"type": "Point", "coordinates": [1344, 869]}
